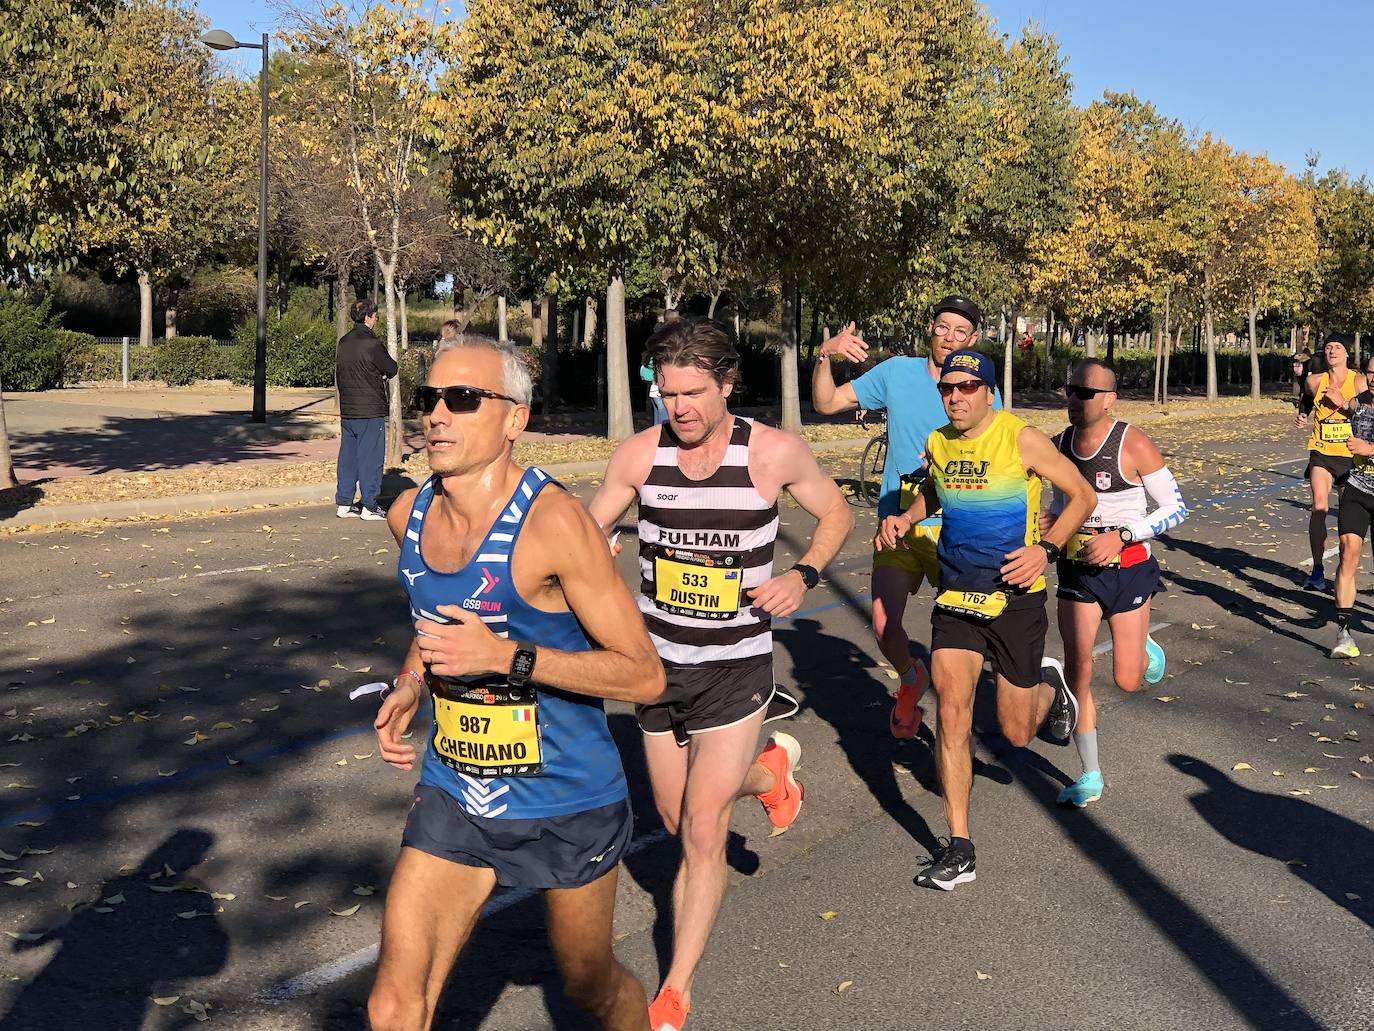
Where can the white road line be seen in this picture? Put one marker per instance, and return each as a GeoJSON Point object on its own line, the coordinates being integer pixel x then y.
{"type": "Point", "coordinates": [1328, 553]}
{"type": "Point", "coordinates": [260, 568]}
{"type": "Point", "coordinates": [312, 981]}
{"type": "Point", "coordinates": [1106, 646]}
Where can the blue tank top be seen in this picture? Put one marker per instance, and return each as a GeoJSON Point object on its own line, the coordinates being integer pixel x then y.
{"type": "Point", "coordinates": [579, 767]}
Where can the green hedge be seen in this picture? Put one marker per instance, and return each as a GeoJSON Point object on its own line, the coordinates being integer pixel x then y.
{"type": "Point", "coordinates": [31, 356]}
{"type": "Point", "coordinates": [300, 351]}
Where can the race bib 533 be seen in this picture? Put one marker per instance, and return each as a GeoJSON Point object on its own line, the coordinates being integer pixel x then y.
{"type": "Point", "coordinates": [691, 583]}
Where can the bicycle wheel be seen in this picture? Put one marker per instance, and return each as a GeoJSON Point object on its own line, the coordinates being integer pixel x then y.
{"type": "Point", "coordinates": [871, 464]}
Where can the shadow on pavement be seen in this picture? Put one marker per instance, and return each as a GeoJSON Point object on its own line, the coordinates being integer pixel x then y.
{"type": "Point", "coordinates": [144, 944]}
{"type": "Point", "coordinates": [1327, 851]}
{"type": "Point", "coordinates": [1259, 1000]}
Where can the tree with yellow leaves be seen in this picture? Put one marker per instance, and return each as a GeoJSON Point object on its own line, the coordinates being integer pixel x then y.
{"type": "Point", "coordinates": [376, 113]}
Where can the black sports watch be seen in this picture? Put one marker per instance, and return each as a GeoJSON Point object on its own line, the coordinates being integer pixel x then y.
{"type": "Point", "coordinates": [809, 575]}
{"type": "Point", "coordinates": [1126, 535]}
{"type": "Point", "coordinates": [521, 664]}
{"type": "Point", "coordinates": [1051, 550]}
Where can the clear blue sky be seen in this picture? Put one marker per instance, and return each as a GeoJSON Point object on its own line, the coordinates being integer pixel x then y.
{"type": "Point", "coordinates": [1272, 77]}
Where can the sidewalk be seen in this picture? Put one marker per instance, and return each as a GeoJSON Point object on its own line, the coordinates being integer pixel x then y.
{"type": "Point", "coordinates": [174, 452]}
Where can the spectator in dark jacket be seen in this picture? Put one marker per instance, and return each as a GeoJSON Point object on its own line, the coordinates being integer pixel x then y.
{"type": "Point", "coordinates": [362, 367]}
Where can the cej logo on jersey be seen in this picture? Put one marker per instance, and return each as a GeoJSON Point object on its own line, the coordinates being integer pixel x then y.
{"type": "Point", "coordinates": [1104, 480]}
{"type": "Point", "coordinates": [475, 602]}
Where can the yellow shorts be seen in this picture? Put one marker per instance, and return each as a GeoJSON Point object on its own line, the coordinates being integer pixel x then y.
{"type": "Point", "coordinates": [917, 560]}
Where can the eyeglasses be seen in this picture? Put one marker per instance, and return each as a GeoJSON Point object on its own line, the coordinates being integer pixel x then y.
{"type": "Point", "coordinates": [960, 334]}
{"type": "Point", "coordinates": [967, 387]}
{"type": "Point", "coordinates": [1085, 393]}
{"type": "Point", "coordinates": [456, 399]}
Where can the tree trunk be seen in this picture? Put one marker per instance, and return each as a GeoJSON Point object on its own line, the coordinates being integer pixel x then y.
{"type": "Point", "coordinates": [791, 398]}
{"type": "Point", "coordinates": [1090, 343]}
{"type": "Point", "coordinates": [619, 415]}
{"type": "Point", "coordinates": [1211, 341]}
{"type": "Point", "coordinates": [1356, 363]}
{"type": "Point", "coordinates": [283, 283]}
{"type": "Point", "coordinates": [7, 477]}
{"type": "Point", "coordinates": [549, 372]}
{"type": "Point", "coordinates": [1157, 332]}
{"type": "Point", "coordinates": [145, 309]}
{"type": "Point", "coordinates": [405, 321]}
{"type": "Point", "coordinates": [589, 324]}
{"type": "Point", "coordinates": [813, 335]}
{"type": "Point", "coordinates": [737, 336]}
{"type": "Point", "coordinates": [342, 318]}
{"type": "Point", "coordinates": [1049, 349]}
{"type": "Point", "coordinates": [536, 324]}
{"type": "Point", "coordinates": [1169, 349]}
{"type": "Point", "coordinates": [501, 334]}
{"type": "Point", "coordinates": [170, 316]}
{"type": "Point", "coordinates": [1008, 349]}
{"type": "Point", "coordinates": [394, 430]}
{"type": "Point", "coordinates": [1111, 344]}
{"type": "Point", "coordinates": [1254, 357]}
{"type": "Point", "coordinates": [1293, 339]}
{"type": "Point", "coordinates": [575, 337]}
{"type": "Point", "coordinates": [711, 308]}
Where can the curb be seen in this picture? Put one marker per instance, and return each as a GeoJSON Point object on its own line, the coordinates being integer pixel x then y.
{"type": "Point", "coordinates": [306, 493]}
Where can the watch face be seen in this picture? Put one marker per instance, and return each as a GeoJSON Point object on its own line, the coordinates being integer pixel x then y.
{"type": "Point", "coordinates": [523, 664]}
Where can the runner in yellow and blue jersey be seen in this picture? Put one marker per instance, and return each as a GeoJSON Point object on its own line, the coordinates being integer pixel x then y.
{"type": "Point", "coordinates": [985, 469]}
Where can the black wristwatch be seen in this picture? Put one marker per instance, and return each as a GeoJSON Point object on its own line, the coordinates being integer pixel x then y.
{"type": "Point", "coordinates": [1126, 535]}
{"type": "Point", "coordinates": [809, 575]}
{"type": "Point", "coordinates": [521, 664]}
{"type": "Point", "coordinates": [1051, 550]}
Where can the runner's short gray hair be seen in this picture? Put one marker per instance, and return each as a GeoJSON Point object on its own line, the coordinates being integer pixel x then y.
{"type": "Point", "coordinates": [514, 372]}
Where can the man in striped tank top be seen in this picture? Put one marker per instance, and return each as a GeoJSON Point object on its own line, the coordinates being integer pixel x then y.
{"type": "Point", "coordinates": [707, 484]}
{"type": "Point", "coordinates": [522, 627]}
{"type": "Point", "coordinates": [1108, 570]}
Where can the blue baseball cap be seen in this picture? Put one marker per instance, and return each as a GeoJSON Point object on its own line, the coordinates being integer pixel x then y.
{"type": "Point", "coordinates": [975, 363]}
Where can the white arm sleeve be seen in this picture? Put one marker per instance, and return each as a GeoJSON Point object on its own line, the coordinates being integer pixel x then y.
{"type": "Point", "coordinates": [1169, 507]}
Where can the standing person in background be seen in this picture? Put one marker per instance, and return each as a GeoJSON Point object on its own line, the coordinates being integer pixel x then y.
{"type": "Point", "coordinates": [362, 367]}
{"type": "Point", "coordinates": [1330, 398]}
{"type": "Point", "coordinates": [1302, 365]}
{"type": "Point", "coordinates": [660, 410]}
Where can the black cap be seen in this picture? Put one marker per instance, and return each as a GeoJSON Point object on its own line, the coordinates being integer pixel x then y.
{"type": "Point", "coordinates": [960, 306]}
{"type": "Point", "coordinates": [1346, 340]}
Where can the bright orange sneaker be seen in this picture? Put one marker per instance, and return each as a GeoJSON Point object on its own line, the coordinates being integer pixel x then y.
{"type": "Point", "coordinates": [906, 714]}
{"type": "Point", "coordinates": [667, 1012]}
{"type": "Point", "coordinates": [781, 758]}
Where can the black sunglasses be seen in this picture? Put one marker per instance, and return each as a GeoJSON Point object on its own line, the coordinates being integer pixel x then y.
{"type": "Point", "coordinates": [967, 387]}
{"type": "Point", "coordinates": [456, 399]}
{"type": "Point", "coordinates": [1085, 393]}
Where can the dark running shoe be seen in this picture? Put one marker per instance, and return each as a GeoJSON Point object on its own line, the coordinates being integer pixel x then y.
{"type": "Point", "coordinates": [952, 866]}
{"type": "Point", "coordinates": [1062, 718]}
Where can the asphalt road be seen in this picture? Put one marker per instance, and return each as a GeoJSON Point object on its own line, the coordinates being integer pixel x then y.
{"type": "Point", "coordinates": [174, 714]}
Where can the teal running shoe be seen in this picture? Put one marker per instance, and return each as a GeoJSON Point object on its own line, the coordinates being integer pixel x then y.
{"type": "Point", "coordinates": [1087, 788]}
{"type": "Point", "coordinates": [1154, 661]}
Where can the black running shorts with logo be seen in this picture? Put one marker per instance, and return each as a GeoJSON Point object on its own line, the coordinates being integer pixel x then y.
{"type": "Point", "coordinates": [1357, 511]}
{"type": "Point", "coordinates": [1114, 588]}
{"type": "Point", "coordinates": [698, 699]}
{"type": "Point", "coordinates": [1014, 642]}
{"type": "Point", "coordinates": [551, 852]}
{"type": "Point", "coordinates": [1338, 466]}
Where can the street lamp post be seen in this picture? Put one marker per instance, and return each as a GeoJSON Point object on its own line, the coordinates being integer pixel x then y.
{"type": "Point", "coordinates": [218, 39]}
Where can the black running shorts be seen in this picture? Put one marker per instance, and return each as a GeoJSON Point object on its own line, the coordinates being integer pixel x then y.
{"type": "Point", "coordinates": [1338, 466]}
{"type": "Point", "coordinates": [1357, 511]}
{"type": "Point", "coordinates": [702, 698]}
{"type": "Point", "coordinates": [1114, 588]}
{"type": "Point", "coordinates": [551, 852]}
{"type": "Point", "coordinates": [1014, 642]}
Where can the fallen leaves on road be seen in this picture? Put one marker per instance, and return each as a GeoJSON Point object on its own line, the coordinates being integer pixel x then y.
{"type": "Point", "coordinates": [843, 987]}
{"type": "Point", "coordinates": [1242, 766]}
{"type": "Point", "coordinates": [346, 912]}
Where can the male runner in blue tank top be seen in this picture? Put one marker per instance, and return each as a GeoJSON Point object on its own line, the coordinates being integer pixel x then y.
{"type": "Point", "coordinates": [707, 484]}
{"type": "Point", "coordinates": [907, 387]}
{"type": "Point", "coordinates": [522, 628]}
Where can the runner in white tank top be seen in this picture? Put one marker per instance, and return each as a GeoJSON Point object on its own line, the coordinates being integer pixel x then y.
{"type": "Point", "coordinates": [1108, 569]}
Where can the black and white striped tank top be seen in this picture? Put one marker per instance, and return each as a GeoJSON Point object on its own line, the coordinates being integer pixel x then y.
{"type": "Point", "coordinates": [702, 544]}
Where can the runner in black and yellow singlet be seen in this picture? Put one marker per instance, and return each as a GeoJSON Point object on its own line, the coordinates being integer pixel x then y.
{"type": "Point", "coordinates": [1329, 398]}
{"type": "Point", "coordinates": [985, 470]}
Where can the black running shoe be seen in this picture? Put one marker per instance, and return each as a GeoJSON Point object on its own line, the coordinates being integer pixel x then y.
{"type": "Point", "coordinates": [1062, 718]}
{"type": "Point", "coordinates": [953, 865]}
{"type": "Point", "coordinates": [781, 706]}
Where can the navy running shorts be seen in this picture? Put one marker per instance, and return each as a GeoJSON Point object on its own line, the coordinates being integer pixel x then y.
{"type": "Point", "coordinates": [552, 852]}
{"type": "Point", "coordinates": [1115, 589]}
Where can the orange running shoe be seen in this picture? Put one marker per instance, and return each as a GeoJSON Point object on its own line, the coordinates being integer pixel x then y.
{"type": "Point", "coordinates": [906, 714]}
{"type": "Point", "coordinates": [781, 758]}
{"type": "Point", "coordinates": [667, 1012]}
